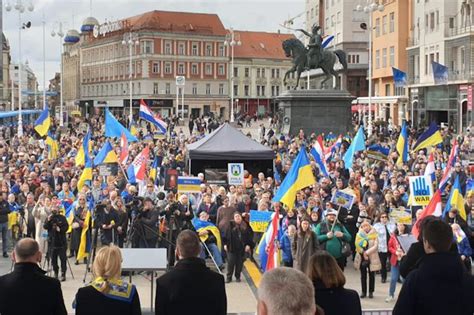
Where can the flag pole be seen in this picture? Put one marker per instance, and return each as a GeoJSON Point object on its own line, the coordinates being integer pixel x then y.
{"type": "Point", "coordinates": [337, 218]}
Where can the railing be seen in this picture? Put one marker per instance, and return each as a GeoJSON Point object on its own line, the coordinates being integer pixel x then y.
{"type": "Point", "coordinates": [413, 41]}
{"type": "Point", "coordinates": [459, 30]}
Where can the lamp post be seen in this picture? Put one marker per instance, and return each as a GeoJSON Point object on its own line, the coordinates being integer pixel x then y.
{"type": "Point", "coordinates": [60, 34]}
{"type": "Point", "coordinates": [20, 8]}
{"type": "Point", "coordinates": [369, 8]}
{"type": "Point", "coordinates": [130, 39]}
{"type": "Point", "coordinates": [232, 39]}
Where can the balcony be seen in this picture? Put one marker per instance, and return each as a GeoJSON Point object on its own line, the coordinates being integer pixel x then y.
{"type": "Point", "coordinates": [459, 75]}
{"type": "Point", "coordinates": [459, 30]}
{"type": "Point", "coordinates": [413, 41]}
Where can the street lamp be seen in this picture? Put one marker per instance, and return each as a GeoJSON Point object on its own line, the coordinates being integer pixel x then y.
{"type": "Point", "coordinates": [21, 9]}
{"type": "Point", "coordinates": [232, 39]}
{"type": "Point", "coordinates": [369, 8]}
{"type": "Point", "coordinates": [60, 34]}
{"type": "Point", "coordinates": [130, 39]}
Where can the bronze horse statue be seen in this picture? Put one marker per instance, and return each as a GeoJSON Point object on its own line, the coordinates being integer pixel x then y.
{"type": "Point", "coordinates": [295, 49]}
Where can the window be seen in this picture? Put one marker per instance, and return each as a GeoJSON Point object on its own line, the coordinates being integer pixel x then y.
{"type": "Point", "coordinates": [263, 72]}
{"type": "Point", "coordinates": [168, 88]}
{"type": "Point", "coordinates": [258, 72]}
{"type": "Point", "coordinates": [221, 70]}
{"type": "Point", "coordinates": [195, 89]}
{"type": "Point", "coordinates": [392, 56]}
{"type": "Point", "coordinates": [236, 90]}
{"type": "Point", "coordinates": [263, 90]}
{"type": "Point", "coordinates": [437, 19]}
{"type": "Point", "coordinates": [181, 49]}
{"type": "Point", "coordinates": [236, 72]}
{"type": "Point", "coordinates": [377, 59]}
{"type": "Point", "coordinates": [392, 22]}
{"type": "Point", "coordinates": [384, 25]}
{"type": "Point", "coordinates": [208, 69]}
{"type": "Point", "coordinates": [273, 90]}
{"type": "Point", "coordinates": [208, 89]}
{"type": "Point", "coordinates": [221, 89]}
{"type": "Point", "coordinates": [247, 72]}
{"type": "Point", "coordinates": [208, 50]}
{"type": "Point", "coordinates": [338, 17]}
{"type": "Point", "coordinates": [388, 89]}
{"type": "Point", "coordinates": [384, 58]}
{"type": "Point", "coordinates": [377, 27]}
{"type": "Point", "coordinates": [155, 88]}
{"type": "Point", "coordinates": [258, 90]}
{"type": "Point", "coordinates": [168, 67]}
{"type": "Point", "coordinates": [432, 21]}
{"type": "Point", "coordinates": [147, 47]}
{"type": "Point", "coordinates": [333, 20]}
{"type": "Point", "coordinates": [327, 23]}
{"type": "Point", "coordinates": [221, 50]}
{"type": "Point", "coordinates": [181, 68]}
{"type": "Point", "coordinates": [277, 74]}
{"type": "Point", "coordinates": [195, 50]}
{"type": "Point", "coordinates": [156, 67]}
{"type": "Point", "coordinates": [277, 90]}
{"type": "Point", "coordinates": [246, 90]}
{"type": "Point", "coordinates": [194, 69]}
{"type": "Point", "coordinates": [273, 73]}
{"type": "Point", "coordinates": [426, 65]}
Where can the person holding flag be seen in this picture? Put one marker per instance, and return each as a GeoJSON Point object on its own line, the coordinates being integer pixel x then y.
{"type": "Point", "coordinates": [210, 238]}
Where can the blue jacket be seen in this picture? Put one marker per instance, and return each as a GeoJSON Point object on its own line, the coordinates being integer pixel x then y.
{"type": "Point", "coordinates": [285, 244]}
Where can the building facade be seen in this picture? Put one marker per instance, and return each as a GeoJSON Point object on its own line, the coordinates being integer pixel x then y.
{"type": "Point", "coordinates": [259, 67]}
{"type": "Point", "coordinates": [29, 85]}
{"type": "Point", "coordinates": [165, 45]}
{"type": "Point", "coordinates": [441, 31]}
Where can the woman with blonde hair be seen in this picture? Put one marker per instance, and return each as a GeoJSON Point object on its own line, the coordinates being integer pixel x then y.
{"type": "Point", "coordinates": [108, 294]}
{"type": "Point", "coordinates": [367, 258]}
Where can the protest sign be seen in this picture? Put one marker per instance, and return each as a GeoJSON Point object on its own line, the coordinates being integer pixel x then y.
{"type": "Point", "coordinates": [343, 199]}
{"type": "Point", "coordinates": [259, 220]}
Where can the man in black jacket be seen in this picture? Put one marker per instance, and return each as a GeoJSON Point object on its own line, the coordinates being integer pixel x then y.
{"type": "Point", "coordinates": [440, 285]}
{"type": "Point", "coordinates": [4, 211]}
{"type": "Point", "coordinates": [57, 226]}
{"type": "Point", "coordinates": [191, 287]}
{"type": "Point", "coordinates": [146, 225]}
{"type": "Point", "coordinates": [44, 294]}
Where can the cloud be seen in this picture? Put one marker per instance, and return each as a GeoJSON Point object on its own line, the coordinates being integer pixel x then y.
{"type": "Point", "coordinates": [259, 15]}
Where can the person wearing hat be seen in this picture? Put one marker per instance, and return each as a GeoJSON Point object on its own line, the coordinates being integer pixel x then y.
{"type": "Point", "coordinates": [146, 225]}
{"type": "Point", "coordinates": [305, 244]}
{"type": "Point", "coordinates": [332, 235]}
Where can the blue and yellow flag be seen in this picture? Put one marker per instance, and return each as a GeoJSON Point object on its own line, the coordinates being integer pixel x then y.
{"type": "Point", "coordinates": [455, 200]}
{"type": "Point", "coordinates": [430, 137]}
{"type": "Point", "coordinates": [113, 128]}
{"type": "Point", "coordinates": [402, 145]}
{"type": "Point", "coordinates": [86, 174]}
{"type": "Point", "coordinates": [84, 245]}
{"type": "Point", "coordinates": [155, 167]}
{"type": "Point", "coordinates": [200, 225]}
{"type": "Point", "coordinates": [133, 128]}
{"type": "Point", "coordinates": [69, 214]}
{"type": "Point", "coordinates": [43, 122]}
{"type": "Point", "coordinates": [299, 177]}
{"type": "Point", "coordinates": [106, 155]}
{"type": "Point", "coordinates": [53, 146]}
{"type": "Point", "coordinates": [84, 150]}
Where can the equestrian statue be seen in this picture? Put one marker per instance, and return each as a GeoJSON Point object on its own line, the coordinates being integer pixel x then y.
{"type": "Point", "coordinates": [315, 56]}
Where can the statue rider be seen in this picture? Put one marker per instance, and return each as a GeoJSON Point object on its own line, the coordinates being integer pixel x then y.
{"type": "Point", "coordinates": [315, 46]}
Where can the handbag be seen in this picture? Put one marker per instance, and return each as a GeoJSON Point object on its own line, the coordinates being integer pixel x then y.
{"type": "Point", "coordinates": [346, 249]}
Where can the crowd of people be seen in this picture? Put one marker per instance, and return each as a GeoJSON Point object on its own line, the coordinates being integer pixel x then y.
{"type": "Point", "coordinates": [41, 198]}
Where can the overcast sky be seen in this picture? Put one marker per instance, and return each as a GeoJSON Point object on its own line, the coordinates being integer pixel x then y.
{"type": "Point", "coordinates": [260, 15]}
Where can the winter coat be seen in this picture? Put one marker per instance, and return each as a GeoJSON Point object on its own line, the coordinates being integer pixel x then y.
{"type": "Point", "coordinates": [367, 243]}
{"type": "Point", "coordinates": [236, 237]}
{"type": "Point", "coordinates": [304, 246]}
{"type": "Point", "coordinates": [393, 245]}
{"type": "Point", "coordinates": [334, 245]}
{"type": "Point", "coordinates": [439, 286]}
{"type": "Point", "coordinates": [285, 245]}
{"type": "Point", "coordinates": [382, 233]}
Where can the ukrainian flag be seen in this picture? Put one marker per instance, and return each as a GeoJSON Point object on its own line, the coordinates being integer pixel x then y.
{"type": "Point", "coordinates": [84, 245]}
{"type": "Point", "coordinates": [402, 145]}
{"type": "Point", "coordinates": [154, 168]}
{"type": "Point", "coordinates": [133, 129]}
{"type": "Point", "coordinates": [86, 174]}
{"type": "Point", "coordinates": [299, 177]}
{"type": "Point", "coordinates": [430, 137]}
{"type": "Point", "coordinates": [53, 146]}
{"type": "Point", "coordinates": [106, 155]}
{"type": "Point", "coordinates": [43, 122]}
{"type": "Point", "coordinates": [200, 225]}
{"type": "Point", "coordinates": [455, 200]}
{"type": "Point", "coordinates": [69, 214]}
{"type": "Point", "coordinates": [84, 149]}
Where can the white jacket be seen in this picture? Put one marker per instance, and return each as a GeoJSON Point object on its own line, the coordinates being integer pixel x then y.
{"type": "Point", "coordinates": [383, 241]}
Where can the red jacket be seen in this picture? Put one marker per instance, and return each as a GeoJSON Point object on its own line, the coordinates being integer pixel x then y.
{"type": "Point", "coordinates": [392, 249]}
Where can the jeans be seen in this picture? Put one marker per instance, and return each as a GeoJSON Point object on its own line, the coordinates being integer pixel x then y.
{"type": "Point", "coordinates": [214, 252]}
{"type": "Point", "coordinates": [395, 274]}
{"type": "Point", "coordinates": [4, 231]}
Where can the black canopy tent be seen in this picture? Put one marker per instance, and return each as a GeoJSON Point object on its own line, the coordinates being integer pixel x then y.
{"type": "Point", "coordinates": [229, 145]}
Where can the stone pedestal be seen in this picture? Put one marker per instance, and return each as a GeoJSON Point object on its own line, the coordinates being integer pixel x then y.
{"type": "Point", "coordinates": [318, 111]}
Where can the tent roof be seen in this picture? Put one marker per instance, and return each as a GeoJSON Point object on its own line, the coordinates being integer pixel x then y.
{"type": "Point", "coordinates": [228, 143]}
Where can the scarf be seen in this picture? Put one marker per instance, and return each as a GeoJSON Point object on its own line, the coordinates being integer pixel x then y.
{"type": "Point", "coordinates": [114, 289]}
{"type": "Point", "coordinates": [362, 240]}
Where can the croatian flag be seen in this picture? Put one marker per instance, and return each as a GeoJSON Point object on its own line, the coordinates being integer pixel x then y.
{"type": "Point", "coordinates": [430, 167]}
{"type": "Point", "coordinates": [124, 150]}
{"type": "Point", "coordinates": [147, 114]}
{"type": "Point", "coordinates": [449, 167]}
{"type": "Point", "coordinates": [136, 171]}
{"type": "Point", "coordinates": [267, 249]}
{"type": "Point", "coordinates": [317, 151]}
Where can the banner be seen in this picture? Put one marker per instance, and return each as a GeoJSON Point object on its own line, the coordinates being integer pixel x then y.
{"type": "Point", "coordinates": [171, 179]}
{"type": "Point", "coordinates": [259, 220]}
{"type": "Point", "coordinates": [401, 215]}
{"type": "Point", "coordinates": [189, 184]}
{"type": "Point", "coordinates": [235, 173]}
{"type": "Point", "coordinates": [421, 190]}
{"type": "Point", "coordinates": [343, 199]}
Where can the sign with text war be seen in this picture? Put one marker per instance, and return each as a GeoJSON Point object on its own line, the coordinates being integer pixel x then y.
{"type": "Point", "coordinates": [259, 220]}
{"type": "Point", "coordinates": [421, 190]}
